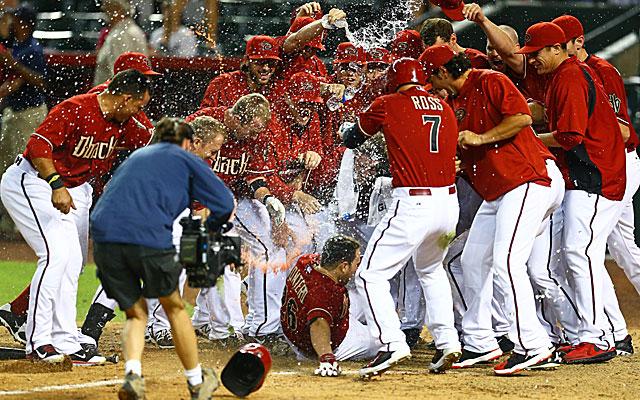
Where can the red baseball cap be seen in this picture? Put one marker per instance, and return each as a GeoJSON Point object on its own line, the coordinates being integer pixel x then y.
{"type": "Point", "coordinates": [304, 87]}
{"type": "Point", "coordinates": [435, 57]}
{"type": "Point", "coordinates": [541, 35]}
{"type": "Point", "coordinates": [407, 43]}
{"type": "Point", "coordinates": [262, 47]}
{"type": "Point", "coordinates": [131, 60]}
{"type": "Point", "coordinates": [570, 25]}
{"type": "Point", "coordinates": [348, 53]}
{"type": "Point", "coordinates": [377, 55]}
{"type": "Point", "coordinates": [451, 8]}
{"type": "Point", "coordinates": [301, 22]}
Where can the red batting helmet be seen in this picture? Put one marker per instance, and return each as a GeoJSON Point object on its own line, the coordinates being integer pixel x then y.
{"type": "Point", "coordinates": [247, 369]}
{"type": "Point", "coordinates": [304, 87]}
{"type": "Point", "coordinates": [403, 71]}
{"type": "Point", "coordinates": [451, 8]}
{"type": "Point", "coordinates": [407, 43]}
{"type": "Point", "coordinates": [301, 22]}
{"type": "Point", "coordinates": [131, 60]}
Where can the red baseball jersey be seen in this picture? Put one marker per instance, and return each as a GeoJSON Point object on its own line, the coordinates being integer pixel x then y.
{"type": "Point", "coordinates": [614, 89]}
{"type": "Point", "coordinates": [592, 156]}
{"type": "Point", "coordinates": [530, 84]}
{"type": "Point", "coordinates": [81, 142]}
{"type": "Point", "coordinates": [309, 294]}
{"type": "Point", "coordinates": [292, 64]}
{"type": "Point", "coordinates": [485, 99]}
{"type": "Point", "coordinates": [421, 135]}
{"type": "Point", "coordinates": [478, 59]}
{"type": "Point", "coordinates": [227, 89]}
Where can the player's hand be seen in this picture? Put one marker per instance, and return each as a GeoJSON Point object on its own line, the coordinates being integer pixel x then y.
{"type": "Point", "coordinates": [334, 15]}
{"type": "Point", "coordinates": [62, 200]}
{"type": "Point", "coordinates": [281, 234]}
{"type": "Point", "coordinates": [311, 159]}
{"type": "Point", "coordinates": [328, 366]}
{"type": "Point", "coordinates": [458, 164]}
{"type": "Point", "coordinates": [473, 13]}
{"type": "Point", "coordinates": [276, 210]}
{"type": "Point", "coordinates": [468, 138]}
{"type": "Point", "coordinates": [333, 89]}
{"type": "Point", "coordinates": [307, 203]}
{"type": "Point", "coordinates": [309, 10]}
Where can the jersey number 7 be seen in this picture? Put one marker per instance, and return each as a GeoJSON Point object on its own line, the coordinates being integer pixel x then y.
{"type": "Point", "coordinates": [434, 122]}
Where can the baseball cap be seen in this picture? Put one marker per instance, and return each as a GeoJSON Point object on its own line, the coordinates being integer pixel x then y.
{"type": "Point", "coordinates": [541, 35]}
{"type": "Point", "coordinates": [451, 8]}
{"type": "Point", "coordinates": [262, 47]}
{"type": "Point", "coordinates": [570, 25]}
{"type": "Point", "coordinates": [301, 22]}
{"type": "Point", "coordinates": [25, 13]}
{"type": "Point", "coordinates": [348, 53]}
{"type": "Point", "coordinates": [131, 60]}
{"type": "Point", "coordinates": [377, 55]}
{"type": "Point", "coordinates": [407, 43]}
{"type": "Point", "coordinates": [435, 57]}
{"type": "Point", "coordinates": [304, 87]}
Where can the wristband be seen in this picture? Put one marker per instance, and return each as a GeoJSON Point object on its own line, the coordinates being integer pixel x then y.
{"type": "Point", "coordinates": [264, 199]}
{"type": "Point", "coordinates": [328, 358]}
{"type": "Point", "coordinates": [55, 181]}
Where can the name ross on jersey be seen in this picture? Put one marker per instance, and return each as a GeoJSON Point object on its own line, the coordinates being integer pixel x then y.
{"type": "Point", "coordinates": [426, 103]}
{"type": "Point", "coordinates": [86, 148]}
{"type": "Point", "coordinates": [231, 166]}
{"type": "Point", "coordinates": [298, 284]}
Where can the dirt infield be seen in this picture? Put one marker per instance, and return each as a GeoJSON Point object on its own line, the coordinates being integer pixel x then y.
{"type": "Point", "coordinates": [291, 379]}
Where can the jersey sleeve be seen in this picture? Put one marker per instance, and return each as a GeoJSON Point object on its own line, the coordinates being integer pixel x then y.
{"type": "Point", "coordinates": [614, 88]}
{"type": "Point", "coordinates": [213, 97]}
{"type": "Point", "coordinates": [504, 95]}
{"type": "Point", "coordinates": [319, 305]}
{"type": "Point", "coordinates": [53, 131]}
{"type": "Point", "coordinates": [371, 120]}
{"type": "Point", "coordinates": [138, 132]}
{"type": "Point", "coordinates": [572, 113]}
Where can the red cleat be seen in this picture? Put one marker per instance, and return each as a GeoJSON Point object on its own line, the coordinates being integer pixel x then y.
{"type": "Point", "coordinates": [588, 353]}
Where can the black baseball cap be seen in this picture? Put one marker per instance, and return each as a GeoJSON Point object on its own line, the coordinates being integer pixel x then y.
{"type": "Point", "coordinates": [25, 13]}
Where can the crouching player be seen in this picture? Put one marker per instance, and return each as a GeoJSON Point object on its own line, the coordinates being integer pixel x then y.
{"type": "Point", "coordinates": [315, 307]}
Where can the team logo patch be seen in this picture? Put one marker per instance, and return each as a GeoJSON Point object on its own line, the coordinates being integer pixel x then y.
{"type": "Point", "coordinates": [146, 62]}
{"type": "Point", "coordinates": [266, 46]}
{"type": "Point", "coordinates": [527, 38]}
{"type": "Point", "coordinates": [403, 46]}
{"type": "Point", "coordinates": [307, 86]}
{"type": "Point", "coordinates": [376, 53]}
{"type": "Point", "coordinates": [351, 51]}
{"type": "Point", "coordinates": [460, 114]}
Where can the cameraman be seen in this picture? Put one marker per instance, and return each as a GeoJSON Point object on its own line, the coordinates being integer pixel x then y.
{"type": "Point", "coordinates": [131, 227]}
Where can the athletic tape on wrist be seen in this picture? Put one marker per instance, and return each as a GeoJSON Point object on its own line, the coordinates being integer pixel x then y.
{"type": "Point", "coordinates": [54, 180]}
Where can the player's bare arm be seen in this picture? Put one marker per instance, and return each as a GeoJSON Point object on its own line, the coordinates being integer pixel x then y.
{"type": "Point", "coordinates": [309, 9]}
{"type": "Point", "coordinates": [320, 334]}
{"type": "Point", "coordinates": [60, 197]}
{"type": "Point", "coordinates": [507, 128]}
{"type": "Point", "coordinates": [296, 41]}
{"type": "Point", "coordinates": [549, 139]}
{"type": "Point", "coordinates": [280, 234]}
{"type": "Point", "coordinates": [307, 203]}
{"type": "Point", "coordinates": [625, 132]}
{"type": "Point", "coordinates": [503, 44]}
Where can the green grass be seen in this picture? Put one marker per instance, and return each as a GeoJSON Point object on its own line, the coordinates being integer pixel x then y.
{"type": "Point", "coordinates": [16, 275]}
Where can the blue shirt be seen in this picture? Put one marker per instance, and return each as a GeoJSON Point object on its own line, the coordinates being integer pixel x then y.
{"type": "Point", "coordinates": [150, 190]}
{"type": "Point", "coordinates": [28, 53]}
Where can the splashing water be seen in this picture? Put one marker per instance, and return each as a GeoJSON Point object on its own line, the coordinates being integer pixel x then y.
{"type": "Point", "coordinates": [201, 30]}
{"type": "Point", "coordinates": [391, 21]}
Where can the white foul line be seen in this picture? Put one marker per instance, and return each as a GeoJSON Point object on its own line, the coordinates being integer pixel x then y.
{"type": "Point", "coordinates": [61, 387]}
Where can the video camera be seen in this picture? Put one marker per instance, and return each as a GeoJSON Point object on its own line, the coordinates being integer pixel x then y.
{"type": "Point", "coordinates": [205, 254]}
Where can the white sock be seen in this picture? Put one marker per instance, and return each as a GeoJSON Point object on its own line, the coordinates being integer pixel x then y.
{"type": "Point", "coordinates": [133, 366]}
{"type": "Point", "coordinates": [194, 376]}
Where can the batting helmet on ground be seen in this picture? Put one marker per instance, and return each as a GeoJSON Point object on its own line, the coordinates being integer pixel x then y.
{"type": "Point", "coordinates": [247, 369]}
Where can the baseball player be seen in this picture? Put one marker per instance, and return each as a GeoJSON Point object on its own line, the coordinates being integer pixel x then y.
{"type": "Point", "coordinates": [621, 241]}
{"type": "Point", "coordinates": [582, 123]}
{"type": "Point", "coordinates": [315, 311]}
{"type": "Point", "coordinates": [406, 43]}
{"type": "Point", "coordinates": [72, 145]}
{"type": "Point", "coordinates": [437, 31]}
{"type": "Point", "coordinates": [423, 181]}
{"type": "Point", "coordinates": [377, 63]}
{"type": "Point", "coordinates": [504, 162]}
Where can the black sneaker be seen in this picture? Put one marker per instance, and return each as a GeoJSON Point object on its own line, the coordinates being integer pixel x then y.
{"type": "Point", "coordinates": [624, 347]}
{"type": "Point", "coordinates": [87, 358]}
{"type": "Point", "coordinates": [470, 358]}
{"type": "Point", "coordinates": [444, 359]}
{"type": "Point", "coordinates": [46, 354]}
{"type": "Point", "coordinates": [16, 324]}
{"type": "Point", "coordinates": [384, 361]}
{"type": "Point", "coordinates": [506, 345]}
{"type": "Point", "coordinates": [274, 342]}
{"type": "Point", "coordinates": [550, 363]}
{"type": "Point", "coordinates": [91, 349]}
{"type": "Point", "coordinates": [412, 337]}
{"type": "Point", "coordinates": [518, 362]}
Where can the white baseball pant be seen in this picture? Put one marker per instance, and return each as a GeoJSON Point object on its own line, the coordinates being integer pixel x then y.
{"type": "Point", "coordinates": [54, 237]}
{"type": "Point", "coordinates": [414, 224]}
{"type": "Point", "coordinates": [499, 243]}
